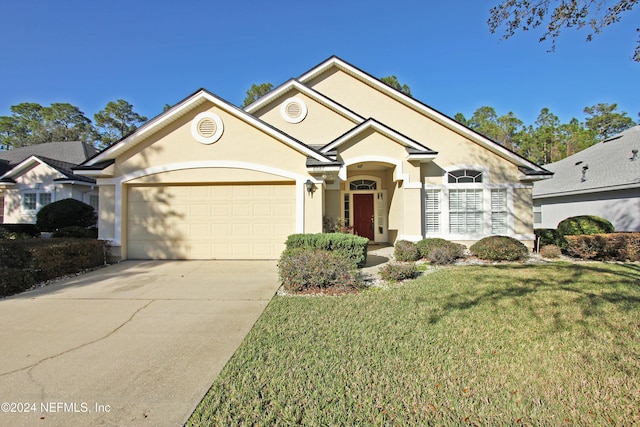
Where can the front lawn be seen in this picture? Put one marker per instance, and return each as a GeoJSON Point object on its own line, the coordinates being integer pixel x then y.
{"type": "Point", "coordinates": [553, 344]}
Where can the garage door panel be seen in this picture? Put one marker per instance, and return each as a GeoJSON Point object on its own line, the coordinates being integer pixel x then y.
{"type": "Point", "coordinates": [205, 222]}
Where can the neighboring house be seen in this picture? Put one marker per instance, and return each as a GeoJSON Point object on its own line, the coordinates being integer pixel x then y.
{"type": "Point", "coordinates": [603, 180]}
{"type": "Point", "coordinates": [206, 179]}
{"type": "Point", "coordinates": [34, 176]}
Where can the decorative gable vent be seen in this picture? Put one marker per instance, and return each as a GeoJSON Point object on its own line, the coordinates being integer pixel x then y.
{"type": "Point", "coordinates": [293, 110]}
{"type": "Point", "coordinates": [207, 127]}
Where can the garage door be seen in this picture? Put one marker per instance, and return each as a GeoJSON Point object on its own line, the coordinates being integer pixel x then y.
{"type": "Point", "coordinates": [209, 222]}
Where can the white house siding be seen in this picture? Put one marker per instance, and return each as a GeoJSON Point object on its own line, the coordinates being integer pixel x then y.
{"type": "Point", "coordinates": [620, 207]}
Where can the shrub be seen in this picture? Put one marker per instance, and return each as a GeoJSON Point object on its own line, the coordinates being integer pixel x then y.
{"type": "Point", "coordinates": [65, 213]}
{"type": "Point", "coordinates": [77, 232]}
{"type": "Point", "coordinates": [23, 263]}
{"type": "Point", "coordinates": [406, 251]}
{"type": "Point", "coordinates": [550, 251]}
{"type": "Point", "coordinates": [301, 269]}
{"type": "Point", "coordinates": [440, 251]}
{"type": "Point", "coordinates": [614, 246]}
{"type": "Point", "coordinates": [446, 254]}
{"type": "Point", "coordinates": [499, 248]}
{"type": "Point", "coordinates": [352, 248]}
{"type": "Point", "coordinates": [23, 230]}
{"type": "Point", "coordinates": [584, 224]}
{"type": "Point", "coordinates": [547, 236]}
{"type": "Point", "coordinates": [12, 235]}
{"type": "Point", "coordinates": [397, 271]}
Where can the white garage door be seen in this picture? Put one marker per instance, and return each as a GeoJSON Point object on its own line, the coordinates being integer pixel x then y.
{"type": "Point", "coordinates": [209, 221]}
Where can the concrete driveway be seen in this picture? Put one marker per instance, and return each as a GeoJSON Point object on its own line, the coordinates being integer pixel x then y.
{"type": "Point", "coordinates": [137, 343]}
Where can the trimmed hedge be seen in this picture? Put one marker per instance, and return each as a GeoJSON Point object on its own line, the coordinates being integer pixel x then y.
{"type": "Point", "coordinates": [584, 224]}
{"type": "Point", "coordinates": [549, 236]}
{"type": "Point", "coordinates": [440, 251]}
{"type": "Point", "coordinates": [75, 232]}
{"type": "Point", "coordinates": [24, 263]}
{"type": "Point", "coordinates": [500, 248]}
{"type": "Point", "coordinates": [302, 269]}
{"type": "Point", "coordinates": [65, 213]}
{"type": "Point", "coordinates": [397, 271]}
{"type": "Point", "coordinates": [21, 229]}
{"type": "Point", "coordinates": [612, 246]}
{"type": "Point", "coordinates": [406, 251]}
{"type": "Point", "coordinates": [351, 247]}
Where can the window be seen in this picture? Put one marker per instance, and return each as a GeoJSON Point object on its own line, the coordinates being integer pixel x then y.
{"type": "Point", "coordinates": [35, 201]}
{"type": "Point", "coordinates": [44, 199]}
{"type": "Point", "coordinates": [465, 211]}
{"type": "Point", "coordinates": [464, 176]}
{"type": "Point", "coordinates": [346, 210]}
{"type": "Point", "coordinates": [537, 214]}
{"type": "Point", "coordinates": [432, 211]}
{"type": "Point", "coordinates": [363, 184]}
{"type": "Point", "coordinates": [93, 201]}
{"type": "Point", "coordinates": [499, 211]}
{"type": "Point", "coordinates": [29, 201]}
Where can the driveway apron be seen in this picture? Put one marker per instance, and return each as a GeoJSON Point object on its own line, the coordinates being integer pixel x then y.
{"type": "Point", "coordinates": [137, 343]}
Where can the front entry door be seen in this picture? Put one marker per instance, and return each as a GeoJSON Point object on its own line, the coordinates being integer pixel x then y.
{"type": "Point", "coordinates": [363, 215]}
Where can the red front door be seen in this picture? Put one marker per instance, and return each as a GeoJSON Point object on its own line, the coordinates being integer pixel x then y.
{"type": "Point", "coordinates": [363, 215]}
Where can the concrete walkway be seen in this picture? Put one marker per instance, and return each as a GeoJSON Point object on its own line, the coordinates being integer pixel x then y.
{"type": "Point", "coordinates": [134, 344]}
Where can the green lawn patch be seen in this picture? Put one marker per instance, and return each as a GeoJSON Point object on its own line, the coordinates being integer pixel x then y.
{"type": "Point", "coordinates": [550, 344]}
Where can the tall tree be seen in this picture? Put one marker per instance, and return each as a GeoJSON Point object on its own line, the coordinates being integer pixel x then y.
{"type": "Point", "coordinates": [394, 83]}
{"type": "Point", "coordinates": [256, 92]}
{"type": "Point", "coordinates": [606, 121]}
{"type": "Point", "coordinates": [116, 121]}
{"type": "Point", "coordinates": [31, 123]}
{"type": "Point", "coordinates": [505, 129]}
{"type": "Point", "coordinates": [557, 15]}
{"type": "Point", "coordinates": [576, 137]}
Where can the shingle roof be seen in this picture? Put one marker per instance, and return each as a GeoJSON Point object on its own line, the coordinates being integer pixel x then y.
{"type": "Point", "coordinates": [65, 169]}
{"type": "Point", "coordinates": [67, 151]}
{"type": "Point", "coordinates": [604, 166]}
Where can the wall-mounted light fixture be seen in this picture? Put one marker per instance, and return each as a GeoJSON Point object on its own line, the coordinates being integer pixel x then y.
{"type": "Point", "coordinates": [310, 186]}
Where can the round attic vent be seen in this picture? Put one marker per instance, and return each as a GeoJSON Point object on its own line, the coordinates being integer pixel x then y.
{"type": "Point", "coordinates": [207, 127]}
{"type": "Point", "coordinates": [293, 110]}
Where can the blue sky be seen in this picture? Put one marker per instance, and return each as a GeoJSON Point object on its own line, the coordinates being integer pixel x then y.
{"type": "Point", "coordinates": [153, 53]}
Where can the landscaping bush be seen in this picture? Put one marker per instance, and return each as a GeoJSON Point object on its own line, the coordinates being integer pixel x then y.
{"type": "Point", "coordinates": [550, 251]}
{"type": "Point", "coordinates": [500, 248]}
{"type": "Point", "coordinates": [350, 247]}
{"type": "Point", "coordinates": [440, 251]}
{"type": "Point", "coordinates": [614, 246]}
{"type": "Point", "coordinates": [12, 235]}
{"type": "Point", "coordinates": [547, 236]}
{"type": "Point", "coordinates": [584, 224]}
{"type": "Point", "coordinates": [21, 230]}
{"type": "Point", "coordinates": [65, 213]}
{"type": "Point", "coordinates": [303, 269]}
{"type": "Point", "coordinates": [445, 255]}
{"type": "Point", "coordinates": [406, 251]}
{"type": "Point", "coordinates": [397, 271]}
{"type": "Point", "coordinates": [23, 263]}
{"type": "Point", "coordinates": [77, 232]}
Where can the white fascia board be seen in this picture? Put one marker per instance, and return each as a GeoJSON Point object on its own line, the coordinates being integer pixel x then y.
{"type": "Point", "coordinates": [377, 126]}
{"type": "Point", "coordinates": [159, 122]}
{"type": "Point", "coordinates": [24, 165]}
{"type": "Point", "coordinates": [418, 106]}
{"type": "Point", "coordinates": [586, 191]}
{"type": "Point", "coordinates": [423, 158]}
{"type": "Point", "coordinates": [315, 95]}
{"type": "Point", "coordinates": [149, 128]}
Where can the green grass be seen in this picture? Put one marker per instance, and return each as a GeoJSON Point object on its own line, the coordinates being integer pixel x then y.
{"type": "Point", "coordinates": [554, 344]}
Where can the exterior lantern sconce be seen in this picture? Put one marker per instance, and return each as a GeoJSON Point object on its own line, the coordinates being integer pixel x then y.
{"type": "Point", "coordinates": [310, 186]}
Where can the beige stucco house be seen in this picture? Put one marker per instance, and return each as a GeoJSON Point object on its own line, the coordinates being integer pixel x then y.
{"type": "Point", "coordinates": [206, 179]}
{"type": "Point", "coordinates": [32, 177]}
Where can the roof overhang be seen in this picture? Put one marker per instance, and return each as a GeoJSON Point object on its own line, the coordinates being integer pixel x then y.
{"type": "Point", "coordinates": [25, 166]}
{"type": "Point", "coordinates": [99, 170]}
{"type": "Point", "coordinates": [181, 109]}
{"type": "Point", "coordinates": [415, 150]}
{"type": "Point", "coordinates": [295, 85]}
{"type": "Point", "coordinates": [587, 191]}
{"type": "Point", "coordinates": [438, 117]}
